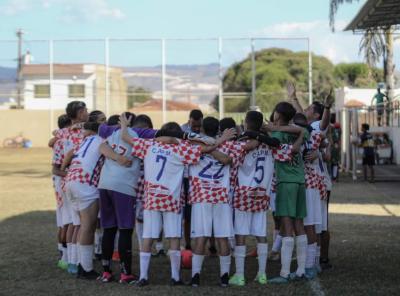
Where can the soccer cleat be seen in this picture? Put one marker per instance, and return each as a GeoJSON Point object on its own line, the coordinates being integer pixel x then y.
{"type": "Point", "coordinates": [252, 253]}
{"type": "Point", "coordinates": [279, 280]}
{"type": "Point", "coordinates": [115, 256]}
{"type": "Point", "coordinates": [176, 283]}
{"type": "Point", "coordinates": [62, 264]}
{"type": "Point", "coordinates": [296, 278]}
{"type": "Point", "coordinates": [160, 253]}
{"type": "Point", "coordinates": [274, 256]}
{"type": "Point", "coordinates": [224, 280]}
{"type": "Point", "coordinates": [86, 275]}
{"type": "Point", "coordinates": [237, 280]}
{"type": "Point", "coordinates": [195, 280]}
{"type": "Point", "coordinates": [72, 269]}
{"type": "Point", "coordinates": [127, 278]}
{"type": "Point", "coordinates": [106, 277]}
{"type": "Point", "coordinates": [318, 268]}
{"type": "Point", "coordinates": [325, 265]}
{"type": "Point", "coordinates": [310, 273]}
{"type": "Point", "coordinates": [261, 279]}
{"type": "Point", "coordinates": [142, 283]}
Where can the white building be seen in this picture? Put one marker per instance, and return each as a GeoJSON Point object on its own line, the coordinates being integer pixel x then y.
{"type": "Point", "coordinates": [71, 82]}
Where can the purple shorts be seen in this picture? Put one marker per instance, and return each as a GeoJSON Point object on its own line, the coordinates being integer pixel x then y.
{"type": "Point", "coordinates": [117, 209]}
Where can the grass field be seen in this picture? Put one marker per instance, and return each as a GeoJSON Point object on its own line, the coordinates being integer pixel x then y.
{"type": "Point", "coordinates": [364, 223]}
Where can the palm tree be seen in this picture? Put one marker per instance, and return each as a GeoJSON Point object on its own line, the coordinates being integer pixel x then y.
{"type": "Point", "coordinates": [376, 44]}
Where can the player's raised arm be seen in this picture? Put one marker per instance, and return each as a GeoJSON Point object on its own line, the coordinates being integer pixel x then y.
{"type": "Point", "coordinates": [299, 141]}
{"type": "Point", "coordinates": [221, 157]}
{"type": "Point", "coordinates": [263, 138]}
{"type": "Point", "coordinates": [124, 122]}
{"type": "Point", "coordinates": [291, 92]}
{"type": "Point", "coordinates": [227, 135]}
{"type": "Point", "coordinates": [327, 110]}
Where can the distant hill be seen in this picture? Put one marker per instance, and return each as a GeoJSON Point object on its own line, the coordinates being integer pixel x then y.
{"type": "Point", "coordinates": [8, 74]}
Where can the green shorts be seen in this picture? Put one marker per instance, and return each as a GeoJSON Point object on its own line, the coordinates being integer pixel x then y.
{"type": "Point", "coordinates": [291, 200]}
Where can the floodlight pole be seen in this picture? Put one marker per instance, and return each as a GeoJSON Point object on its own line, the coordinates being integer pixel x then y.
{"type": "Point", "coordinates": [253, 75]}
{"type": "Point", "coordinates": [107, 75]}
{"type": "Point", "coordinates": [51, 80]}
{"type": "Point", "coordinates": [221, 78]}
{"type": "Point", "coordinates": [310, 95]}
{"type": "Point", "coordinates": [163, 81]}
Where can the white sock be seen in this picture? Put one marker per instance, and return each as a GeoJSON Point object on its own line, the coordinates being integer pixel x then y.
{"type": "Point", "coordinates": [310, 257]}
{"type": "Point", "coordinates": [224, 264]}
{"type": "Point", "coordinates": [86, 252]}
{"type": "Point", "coordinates": [98, 236]}
{"type": "Point", "coordinates": [301, 251]}
{"type": "Point", "coordinates": [139, 234]}
{"type": "Point", "coordinates": [78, 254]}
{"type": "Point", "coordinates": [175, 257]}
{"type": "Point", "coordinates": [317, 255]}
{"type": "Point", "coordinates": [262, 252]}
{"type": "Point", "coordinates": [64, 254]}
{"type": "Point", "coordinates": [69, 252]}
{"type": "Point", "coordinates": [277, 245]}
{"type": "Point", "coordinates": [197, 262]}
{"type": "Point", "coordinates": [74, 254]}
{"type": "Point", "coordinates": [144, 265]}
{"type": "Point", "coordinates": [240, 255]}
{"type": "Point", "coordinates": [275, 233]}
{"type": "Point", "coordinates": [159, 246]}
{"type": "Point", "coordinates": [59, 246]}
{"type": "Point", "coordinates": [286, 255]}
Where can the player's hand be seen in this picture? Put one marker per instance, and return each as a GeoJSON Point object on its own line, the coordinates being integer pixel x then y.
{"type": "Point", "coordinates": [228, 134]}
{"type": "Point", "coordinates": [329, 99]}
{"type": "Point", "coordinates": [311, 156]}
{"type": "Point", "coordinates": [291, 90]}
{"type": "Point", "coordinates": [123, 121]}
{"type": "Point", "coordinates": [124, 161]}
{"type": "Point", "coordinates": [193, 137]}
{"type": "Point", "coordinates": [78, 125]}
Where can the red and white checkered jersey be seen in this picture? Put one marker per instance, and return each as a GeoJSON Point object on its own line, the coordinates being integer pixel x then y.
{"type": "Point", "coordinates": [163, 171]}
{"type": "Point", "coordinates": [312, 173]}
{"type": "Point", "coordinates": [58, 152]}
{"type": "Point", "coordinates": [87, 162]}
{"type": "Point", "coordinates": [71, 137]}
{"type": "Point", "coordinates": [209, 180]}
{"type": "Point", "coordinates": [255, 175]}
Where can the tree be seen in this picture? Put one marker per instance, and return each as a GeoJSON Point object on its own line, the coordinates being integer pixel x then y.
{"type": "Point", "coordinates": [137, 95]}
{"type": "Point", "coordinates": [376, 43]}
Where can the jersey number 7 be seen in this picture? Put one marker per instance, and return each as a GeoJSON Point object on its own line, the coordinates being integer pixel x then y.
{"type": "Point", "coordinates": [164, 160]}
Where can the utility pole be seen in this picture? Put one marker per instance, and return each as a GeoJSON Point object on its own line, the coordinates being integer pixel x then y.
{"type": "Point", "coordinates": [19, 34]}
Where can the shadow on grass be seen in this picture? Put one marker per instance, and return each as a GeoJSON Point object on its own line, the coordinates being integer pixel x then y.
{"type": "Point", "coordinates": [363, 252]}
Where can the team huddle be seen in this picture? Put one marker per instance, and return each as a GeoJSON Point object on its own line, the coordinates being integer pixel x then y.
{"type": "Point", "coordinates": [207, 181]}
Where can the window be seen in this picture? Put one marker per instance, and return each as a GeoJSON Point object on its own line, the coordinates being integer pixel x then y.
{"type": "Point", "coordinates": [42, 91]}
{"type": "Point", "coordinates": [76, 90]}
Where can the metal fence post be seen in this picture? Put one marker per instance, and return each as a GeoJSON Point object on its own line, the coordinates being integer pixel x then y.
{"type": "Point", "coordinates": [51, 76]}
{"type": "Point", "coordinates": [221, 104]}
{"type": "Point", "coordinates": [107, 75]}
{"type": "Point", "coordinates": [253, 75]}
{"type": "Point", "coordinates": [163, 81]}
{"type": "Point", "coordinates": [310, 84]}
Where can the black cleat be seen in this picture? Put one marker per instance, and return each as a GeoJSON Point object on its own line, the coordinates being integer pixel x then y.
{"type": "Point", "coordinates": [160, 253]}
{"type": "Point", "coordinates": [176, 283]}
{"type": "Point", "coordinates": [86, 275]}
{"type": "Point", "coordinates": [142, 283]}
{"type": "Point", "coordinates": [224, 280]}
{"type": "Point", "coordinates": [195, 280]}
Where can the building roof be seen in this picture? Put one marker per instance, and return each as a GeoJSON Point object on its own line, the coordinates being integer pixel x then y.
{"type": "Point", "coordinates": [58, 69]}
{"type": "Point", "coordinates": [376, 14]}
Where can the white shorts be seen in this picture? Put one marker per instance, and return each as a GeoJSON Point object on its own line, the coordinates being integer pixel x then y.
{"type": "Point", "coordinates": [59, 218]}
{"type": "Point", "coordinates": [67, 212]}
{"type": "Point", "coordinates": [324, 213]}
{"type": "Point", "coordinates": [155, 221]}
{"type": "Point", "coordinates": [81, 195]}
{"type": "Point", "coordinates": [208, 219]}
{"type": "Point", "coordinates": [139, 210]}
{"type": "Point", "coordinates": [251, 223]}
{"type": "Point", "coordinates": [313, 203]}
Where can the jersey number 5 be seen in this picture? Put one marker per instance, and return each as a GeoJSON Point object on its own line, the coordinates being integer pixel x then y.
{"type": "Point", "coordinates": [260, 167]}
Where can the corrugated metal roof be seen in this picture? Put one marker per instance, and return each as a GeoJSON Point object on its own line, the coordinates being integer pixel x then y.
{"type": "Point", "coordinates": [376, 14]}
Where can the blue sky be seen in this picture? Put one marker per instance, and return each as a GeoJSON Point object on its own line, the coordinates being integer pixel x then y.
{"type": "Point", "coordinates": [75, 19]}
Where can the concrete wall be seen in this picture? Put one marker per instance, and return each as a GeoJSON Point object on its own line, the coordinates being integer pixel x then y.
{"type": "Point", "coordinates": [35, 124]}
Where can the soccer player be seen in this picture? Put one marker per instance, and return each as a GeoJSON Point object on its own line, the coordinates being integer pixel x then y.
{"type": "Point", "coordinates": [62, 214]}
{"type": "Point", "coordinates": [81, 187]}
{"type": "Point", "coordinates": [163, 173]}
{"type": "Point", "coordinates": [366, 141]}
{"type": "Point", "coordinates": [290, 195]}
{"type": "Point", "coordinates": [211, 213]}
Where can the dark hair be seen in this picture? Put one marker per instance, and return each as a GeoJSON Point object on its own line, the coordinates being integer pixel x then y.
{"type": "Point", "coordinates": [133, 118]}
{"type": "Point", "coordinates": [73, 108]}
{"type": "Point", "coordinates": [286, 110]}
{"type": "Point", "coordinates": [94, 115]}
{"type": "Point", "coordinates": [254, 120]}
{"type": "Point", "coordinates": [365, 126]}
{"type": "Point", "coordinates": [171, 126]}
{"type": "Point", "coordinates": [113, 119]}
{"type": "Point", "coordinates": [143, 120]}
{"type": "Point", "coordinates": [226, 123]}
{"type": "Point", "coordinates": [91, 126]}
{"type": "Point", "coordinates": [196, 114]}
{"type": "Point", "coordinates": [63, 121]}
{"type": "Point", "coordinates": [211, 126]}
{"type": "Point", "coordinates": [318, 107]}
{"type": "Point", "coordinates": [332, 118]}
{"type": "Point", "coordinates": [300, 119]}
